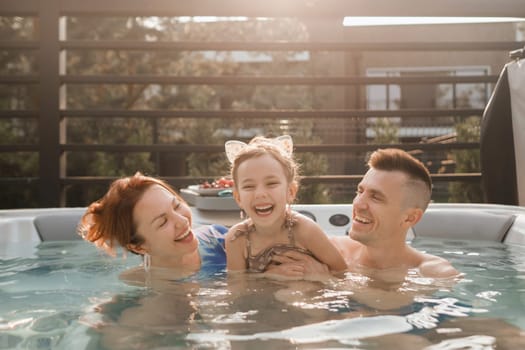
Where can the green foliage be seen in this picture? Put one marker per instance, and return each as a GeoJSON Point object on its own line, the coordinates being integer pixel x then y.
{"type": "Point", "coordinates": [385, 131]}
{"type": "Point", "coordinates": [17, 131]}
{"type": "Point", "coordinates": [467, 161]}
{"type": "Point", "coordinates": [206, 164]}
{"type": "Point", "coordinates": [310, 164]}
{"type": "Point", "coordinates": [143, 131]}
{"type": "Point", "coordinates": [18, 164]}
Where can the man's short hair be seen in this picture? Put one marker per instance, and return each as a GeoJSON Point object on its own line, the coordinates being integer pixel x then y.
{"type": "Point", "coordinates": [393, 159]}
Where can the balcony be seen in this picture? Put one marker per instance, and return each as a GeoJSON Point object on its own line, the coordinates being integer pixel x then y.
{"type": "Point", "coordinates": [92, 91]}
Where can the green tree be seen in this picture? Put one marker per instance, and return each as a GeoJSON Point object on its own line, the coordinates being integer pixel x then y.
{"type": "Point", "coordinates": [385, 131]}
{"type": "Point", "coordinates": [17, 131]}
{"type": "Point", "coordinates": [191, 97]}
{"type": "Point", "coordinates": [117, 130]}
{"type": "Point", "coordinates": [467, 161]}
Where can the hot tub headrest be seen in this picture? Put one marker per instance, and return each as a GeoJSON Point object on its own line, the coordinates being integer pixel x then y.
{"type": "Point", "coordinates": [467, 224]}
{"type": "Point", "coordinates": [60, 226]}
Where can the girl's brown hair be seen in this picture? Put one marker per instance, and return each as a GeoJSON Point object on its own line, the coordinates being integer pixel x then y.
{"type": "Point", "coordinates": [260, 146]}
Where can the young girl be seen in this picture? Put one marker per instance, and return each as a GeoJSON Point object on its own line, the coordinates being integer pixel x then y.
{"type": "Point", "coordinates": [265, 184]}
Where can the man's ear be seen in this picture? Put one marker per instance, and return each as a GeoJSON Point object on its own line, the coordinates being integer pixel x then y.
{"type": "Point", "coordinates": [413, 216]}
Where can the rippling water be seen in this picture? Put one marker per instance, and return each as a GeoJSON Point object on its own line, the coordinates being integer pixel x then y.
{"type": "Point", "coordinates": [68, 296]}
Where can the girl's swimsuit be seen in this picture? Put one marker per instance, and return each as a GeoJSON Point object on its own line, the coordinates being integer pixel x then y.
{"type": "Point", "coordinates": [261, 261]}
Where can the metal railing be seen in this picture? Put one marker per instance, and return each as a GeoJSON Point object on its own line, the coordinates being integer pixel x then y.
{"type": "Point", "coordinates": [51, 78]}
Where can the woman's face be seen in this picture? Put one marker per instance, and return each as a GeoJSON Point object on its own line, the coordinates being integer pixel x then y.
{"type": "Point", "coordinates": [164, 221]}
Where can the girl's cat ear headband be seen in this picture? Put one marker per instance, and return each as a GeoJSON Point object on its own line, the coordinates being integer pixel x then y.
{"type": "Point", "coordinates": [233, 147]}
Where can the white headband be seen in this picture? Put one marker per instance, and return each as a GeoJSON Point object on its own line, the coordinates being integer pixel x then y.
{"type": "Point", "coordinates": [233, 147]}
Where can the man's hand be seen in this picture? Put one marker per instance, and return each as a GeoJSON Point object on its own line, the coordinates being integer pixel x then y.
{"type": "Point", "coordinates": [300, 266]}
{"type": "Point", "coordinates": [290, 271]}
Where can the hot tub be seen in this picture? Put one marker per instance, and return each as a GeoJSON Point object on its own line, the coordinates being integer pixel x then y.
{"type": "Point", "coordinates": [58, 291]}
{"type": "Point", "coordinates": [492, 222]}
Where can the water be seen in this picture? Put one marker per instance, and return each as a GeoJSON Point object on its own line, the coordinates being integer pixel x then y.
{"type": "Point", "coordinates": [68, 296]}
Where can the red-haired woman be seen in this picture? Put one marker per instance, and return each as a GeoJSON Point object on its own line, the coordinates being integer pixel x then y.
{"type": "Point", "coordinates": [146, 216]}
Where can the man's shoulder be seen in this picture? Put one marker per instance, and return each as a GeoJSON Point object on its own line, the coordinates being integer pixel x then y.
{"type": "Point", "coordinates": [345, 244]}
{"type": "Point", "coordinates": [436, 267]}
{"type": "Point", "coordinates": [344, 240]}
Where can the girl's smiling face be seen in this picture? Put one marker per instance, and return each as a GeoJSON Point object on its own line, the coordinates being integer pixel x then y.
{"type": "Point", "coordinates": [262, 190]}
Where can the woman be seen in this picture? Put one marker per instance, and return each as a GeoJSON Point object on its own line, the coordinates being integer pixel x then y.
{"type": "Point", "coordinates": [145, 216]}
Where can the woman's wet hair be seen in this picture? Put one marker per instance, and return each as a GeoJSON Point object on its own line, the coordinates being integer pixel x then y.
{"type": "Point", "coordinates": [109, 221]}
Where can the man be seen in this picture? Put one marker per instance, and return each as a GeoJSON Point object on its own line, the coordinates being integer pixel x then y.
{"type": "Point", "coordinates": [391, 198]}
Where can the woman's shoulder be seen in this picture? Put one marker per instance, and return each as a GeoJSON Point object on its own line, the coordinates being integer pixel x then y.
{"type": "Point", "coordinates": [133, 276]}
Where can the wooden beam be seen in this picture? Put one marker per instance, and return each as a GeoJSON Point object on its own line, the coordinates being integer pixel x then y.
{"type": "Point", "coordinates": [297, 8]}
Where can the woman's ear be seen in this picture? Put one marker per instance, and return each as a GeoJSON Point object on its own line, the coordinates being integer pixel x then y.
{"type": "Point", "coordinates": [136, 248]}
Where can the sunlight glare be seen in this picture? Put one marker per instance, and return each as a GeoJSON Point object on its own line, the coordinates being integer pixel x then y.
{"type": "Point", "coordinates": [350, 21]}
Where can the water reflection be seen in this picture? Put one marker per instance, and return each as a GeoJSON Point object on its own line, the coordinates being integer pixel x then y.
{"type": "Point", "coordinates": [70, 298]}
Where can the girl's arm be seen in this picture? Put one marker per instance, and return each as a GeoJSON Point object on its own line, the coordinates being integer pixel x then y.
{"type": "Point", "coordinates": [310, 235]}
{"type": "Point", "coordinates": [235, 248]}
